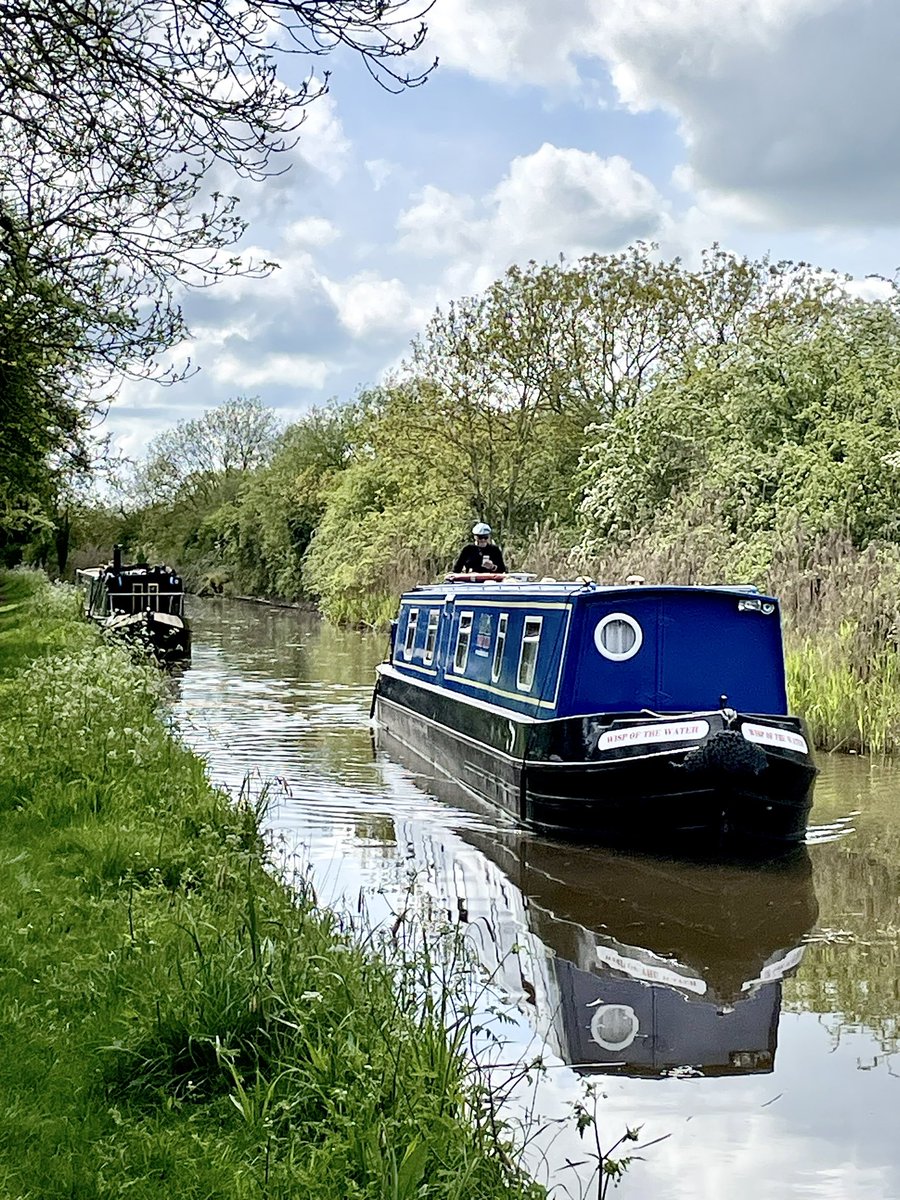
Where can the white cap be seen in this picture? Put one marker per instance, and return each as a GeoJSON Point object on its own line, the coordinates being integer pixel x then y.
{"type": "Point", "coordinates": [481, 530]}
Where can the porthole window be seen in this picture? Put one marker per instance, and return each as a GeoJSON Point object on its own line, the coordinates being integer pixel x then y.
{"type": "Point", "coordinates": [618, 637]}
{"type": "Point", "coordinates": [614, 1026]}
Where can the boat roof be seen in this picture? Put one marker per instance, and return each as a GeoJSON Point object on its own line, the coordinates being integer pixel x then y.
{"type": "Point", "coordinates": [522, 586]}
{"type": "Point", "coordinates": [132, 569]}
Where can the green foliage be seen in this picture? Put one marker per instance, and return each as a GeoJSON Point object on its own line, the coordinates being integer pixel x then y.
{"type": "Point", "coordinates": [184, 1025]}
{"type": "Point", "coordinates": [595, 413]}
{"type": "Point", "coordinates": [282, 506]}
{"type": "Point", "coordinates": [235, 509]}
{"type": "Point", "coordinates": [43, 419]}
{"type": "Point", "coordinates": [191, 461]}
{"type": "Point", "coordinates": [390, 519]}
{"type": "Point", "coordinates": [799, 425]}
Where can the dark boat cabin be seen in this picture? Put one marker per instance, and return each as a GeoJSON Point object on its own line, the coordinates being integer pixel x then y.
{"type": "Point", "coordinates": [132, 589]}
{"type": "Point", "coordinates": [140, 603]}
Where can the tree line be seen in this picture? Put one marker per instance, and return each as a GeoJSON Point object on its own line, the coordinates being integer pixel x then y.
{"type": "Point", "coordinates": [596, 414]}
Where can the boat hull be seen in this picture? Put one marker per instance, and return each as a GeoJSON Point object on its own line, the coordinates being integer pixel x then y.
{"type": "Point", "coordinates": [721, 780]}
{"type": "Point", "coordinates": [166, 636]}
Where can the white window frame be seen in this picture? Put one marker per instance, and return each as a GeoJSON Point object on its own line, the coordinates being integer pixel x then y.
{"type": "Point", "coordinates": [466, 622]}
{"type": "Point", "coordinates": [409, 642]}
{"type": "Point", "coordinates": [529, 637]}
{"type": "Point", "coordinates": [499, 646]}
{"type": "Point", "coordinates": [434, 616]}
{"type": "Point", "coordinates": [612, 655]}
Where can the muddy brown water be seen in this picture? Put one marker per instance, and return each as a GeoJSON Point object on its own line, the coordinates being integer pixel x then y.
{"type": "Point", "coordinates": [748, 1017]}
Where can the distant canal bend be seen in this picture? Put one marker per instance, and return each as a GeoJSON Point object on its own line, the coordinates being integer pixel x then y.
{"type": "Point", "coordinates": [750, 1018]}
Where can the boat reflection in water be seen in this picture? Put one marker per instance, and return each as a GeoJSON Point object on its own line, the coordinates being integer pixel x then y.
{"type": "Point", "coordinates": [634, 964]}
{"type": "Point", "coordinates": [658, 965]}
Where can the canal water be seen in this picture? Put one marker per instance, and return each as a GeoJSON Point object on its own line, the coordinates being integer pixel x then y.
{"type": "Point", "coordinates": [745, 1019]}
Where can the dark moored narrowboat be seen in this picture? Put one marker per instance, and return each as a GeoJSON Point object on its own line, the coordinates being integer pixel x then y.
{"type": "Point", "coordinates": [636, 714]}
{"type": "Point", "coordinates": [141, 603]}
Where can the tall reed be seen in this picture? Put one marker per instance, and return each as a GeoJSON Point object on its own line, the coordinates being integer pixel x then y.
{"type": "Point", "coordinates": [840, 610]}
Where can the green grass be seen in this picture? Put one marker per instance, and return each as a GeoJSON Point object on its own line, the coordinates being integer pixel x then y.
{"type": "Point", "coordinates": [175, 1022]}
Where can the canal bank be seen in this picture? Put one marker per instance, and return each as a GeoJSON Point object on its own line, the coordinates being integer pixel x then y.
{"type": "Point", "coordinates": [176, 1022]}
{"type": "Point", "coordinates": [807, 1110]}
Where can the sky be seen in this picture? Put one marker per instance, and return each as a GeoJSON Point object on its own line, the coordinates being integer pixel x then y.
{"type": "Point", "coordinates": [564, 128]}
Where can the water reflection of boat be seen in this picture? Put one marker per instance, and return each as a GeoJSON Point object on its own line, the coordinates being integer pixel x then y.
{"type": "Point", "coordinates": [661, 965]}
{"type": "Point", "coordinates": [639, 964]}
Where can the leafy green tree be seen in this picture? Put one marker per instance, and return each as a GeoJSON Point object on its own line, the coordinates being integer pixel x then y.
{"type": "Point", "coordinates": [190, 461]}
{"type": "Point", "coordinates": [187, 489]}
{"type": "Point", "coordinates": [799, 425]}
{"type": "Point", "coordinates": [43, 427]}
{"type": "Point", "coordinates": [499, 380]}
{"type": "Point", "coordinates": [524, 369]}
{"type": "Point", "coordinates": [282, 505]}
{"type": "Point", "coordinates": [394, 515]}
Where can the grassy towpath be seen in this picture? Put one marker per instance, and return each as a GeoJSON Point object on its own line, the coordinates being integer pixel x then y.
{"type": "Point", "coordinates": [175, 1023]}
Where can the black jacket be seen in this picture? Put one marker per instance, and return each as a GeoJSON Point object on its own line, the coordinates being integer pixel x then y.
{"type": "Point", "coordinates": [471, 559]}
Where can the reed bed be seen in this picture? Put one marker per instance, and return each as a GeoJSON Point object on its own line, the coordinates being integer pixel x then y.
{"type": "Point", "coordinates": [840, 607]}
{"type": "Point", "coordinates": [176, 1022]}
{"type": "Point", "coordinates": [840, 611]}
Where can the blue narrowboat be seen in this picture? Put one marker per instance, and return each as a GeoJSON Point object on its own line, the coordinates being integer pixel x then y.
{"type": "Point", "coordinates": [629, 713]}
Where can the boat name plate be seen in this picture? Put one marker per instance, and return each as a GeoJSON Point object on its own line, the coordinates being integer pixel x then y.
{"type": "Point", "coordinates": [783, 738]}
{"type": "Point", "coordinates": [667, 731]}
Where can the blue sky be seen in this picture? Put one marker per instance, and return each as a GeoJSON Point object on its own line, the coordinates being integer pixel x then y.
{"type": "Point", "coordinates": [571, 128]}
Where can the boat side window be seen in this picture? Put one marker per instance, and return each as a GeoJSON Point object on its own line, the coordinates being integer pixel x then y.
{"type": "Point", "coordinates": [412, 622]}
{"type": "Point", "coordinates": [618, 637]}
{"type": "Point", "coordinates": [431, 635]}
{"type": "Point", "coordinates": [497, 663]}
{"type": "Point", "coordinates": [531, 636]}
{"type": "Point", "coordinates": [463, 640]}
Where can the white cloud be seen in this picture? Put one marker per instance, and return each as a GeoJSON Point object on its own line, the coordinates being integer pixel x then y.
{"type": "Point", "coordinates": [872, 287]}
{"type": "Point", "coordinates": [510, 41]}
{"type": "Point", "coordinates": [309, 231]}
{"type": "Point", "coordinates": [380, 170]}
{"type": "Point", "coordinates": [369, 306]}
{"type": "Point", "coordinates": [790, 106]}
{"type": "Point", "coordinates": [440, 223]}
{"type": "Point", "coordinates": [238, 374]}
{"type": "Point", "coordinates": [554, 201]}
{"type": "Point", "coordinates": [789, 109]}
{"type": "Point", "coordinates": [311, 167]}
{"type": "Point", "coordinates": [574, 201]}
{"type": "Point", "coordinates": [322, 143]}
